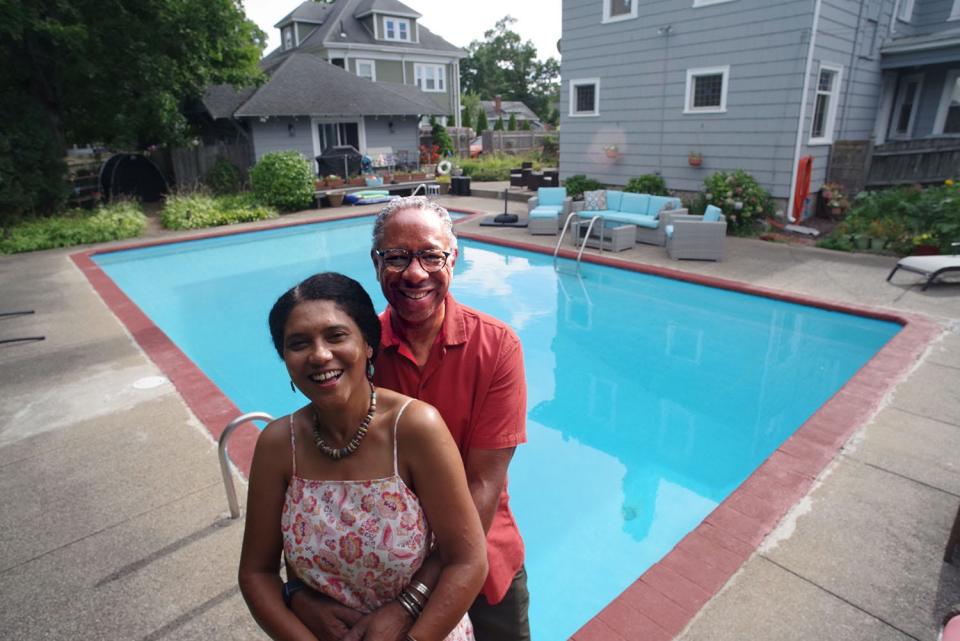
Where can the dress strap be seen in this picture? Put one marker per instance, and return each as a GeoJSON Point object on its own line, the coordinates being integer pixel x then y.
{"type": "Point", "coordinates": [396, 422]}
{"type": "Point", "coordinates": [293, 446]}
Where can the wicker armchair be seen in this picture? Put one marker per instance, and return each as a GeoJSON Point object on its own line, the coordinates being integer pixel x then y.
{"type": "Point", "coordinates": [693, 238]}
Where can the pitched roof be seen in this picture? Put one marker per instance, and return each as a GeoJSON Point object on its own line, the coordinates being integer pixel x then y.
{"type": "Point", "coordinates": [222, 100]}
{"type": "Point", "coordinates": [306, 85]}
{"type": "Point", "coordinates": [316, 12]}
{"type": "Point", "coordinates": [508, 107]}
{"type": "Point", "coordinates": [390, 7]}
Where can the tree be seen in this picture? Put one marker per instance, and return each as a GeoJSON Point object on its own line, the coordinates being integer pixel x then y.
{"type": "Point", "coordinates": [502, 64]}
{"type": "Point", "coordinates": [466, 118]}
{"type": "Point", "coordinates": [119, 73]}
{"type": "Point", "coordinates": [526, 125]}
{"type": "Point", "coordinates": [512, 123]}
{"type": "Point", "coordinates": [498, 126]}
{"type": "Point", "coordinates": [440, 137]}
{"type": "Point", "coordinates": [482, 123]}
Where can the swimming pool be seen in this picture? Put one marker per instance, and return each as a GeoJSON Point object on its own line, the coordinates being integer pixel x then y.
{"type": "Point", "coordinates": [650, 400]}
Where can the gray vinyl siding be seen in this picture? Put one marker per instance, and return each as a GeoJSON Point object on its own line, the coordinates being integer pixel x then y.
{"type": "Point", "coordinates": [641, 97]}
{"type": "Point", "coordinates": [274, 135]}
{"type": "Point", "coordinates": [390, 71]}
{"type": "Point", "coordinates": [443, 99]}
{"type": "Point", "coordinates": [931, 15]}
{"type": "Point", "coordinates": [405, 135]}
{"type": "Point", "coordinates": [303, 30]}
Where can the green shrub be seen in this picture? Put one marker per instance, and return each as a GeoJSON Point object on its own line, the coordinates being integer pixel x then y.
{"type": "Point", "coordinates": [512, 123]}
{"type": "Point", "coordinates": [441, 138]}
{"type": "Point", "coordinates": [498, 126]}
{"type": "Point", "coordinates": [647, 184]}
{"type": "Point", "coordinates": [198, 210]}
{"type": "Point", "coordinates": [122, 219]}
{"type": "Point", "coordinates": [482, 123]}
{"type": "Point", "coordinates": [579, 183]}
{"type": "Point", "coordinates": [740, 196]}
{"type": "Point", "coordinates": [283, 179]}
{"type": "Point", "coordinates": [904, 217]}
{"type": "Point", "coordinates": [223, 177]}
{"type": "Point", "coordinates": [493, 167]}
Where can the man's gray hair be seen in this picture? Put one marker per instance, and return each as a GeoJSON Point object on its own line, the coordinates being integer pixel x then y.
{"type": "Point", "coordinates": [412, 202]}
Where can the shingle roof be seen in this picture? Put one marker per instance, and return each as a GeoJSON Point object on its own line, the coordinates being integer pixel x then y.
{"type": "Point", "coordinates": [306, 85]}
{"type": "Point", "coordinates": [391, 7]}
{"type": "Point", "coordinates": [309, 11]}
{"type": "Point", "coordinates": [508, 107]}
{"type": "Point", "coordinates": [223, 100]}
{"type": "Point", "coordinates": [939, 39]}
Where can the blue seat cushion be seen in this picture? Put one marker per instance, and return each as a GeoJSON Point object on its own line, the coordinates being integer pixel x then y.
{"type": "Point", "coordinates": [712, 214]}
{"type": "Point", "coordinates": [614, 198]}
{"type": "Point", "coordinates": [588, 214]}
{"type": "Point", "coordinates": [545, 212]}
{"type": "Point", "coordinates": [642, 220]}
{"type": "Point", "coordinates": [635, 203]}
{"type": "Point", "coordinates": [552, 195]}
{"type": "Point", "coordinates": [668, 230]}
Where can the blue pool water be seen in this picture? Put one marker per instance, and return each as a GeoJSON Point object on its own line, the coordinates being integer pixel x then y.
{"type": "Point", "coordinates": [650, 400]}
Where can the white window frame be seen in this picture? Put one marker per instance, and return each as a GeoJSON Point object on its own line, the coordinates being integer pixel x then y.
{"type": "Point", "coordinates": [582, 82]}
{"type": "Point", "coordinates": [289, 36]}
{"type": "Point", "coordinates": [692, 74]}
{"type": "Point", "coordinates": [829, 126]}
{"type": "Point", "coordinates": [955, 12]}
{"type": "Point", "coordinates": [396, 29]}
{"type": "Point", "coordinates": [941, 120]}
{"type": "Point", "coordinates": [707, 3]}
{"type": "Point", "coordinates": [898, 101]}
{"type": "Point", "coordinates": [905, 11]}
{"type": "Point", "coordinates": [420, 77]}
{"type": "Point", "coordinates": [627, 16]}
{"type": "Point", "coordinates": [373, 68]}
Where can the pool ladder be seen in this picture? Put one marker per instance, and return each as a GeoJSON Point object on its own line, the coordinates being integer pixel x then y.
{"type": "Point", "coordinates": [228, 486]}
{"type": "Point", "coordinates": [583, 243]}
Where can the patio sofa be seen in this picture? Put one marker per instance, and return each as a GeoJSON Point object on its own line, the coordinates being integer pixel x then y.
{"type": "Point", "coordinates": [626, 208]}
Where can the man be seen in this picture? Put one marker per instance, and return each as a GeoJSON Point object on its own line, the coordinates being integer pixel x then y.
{"type": "Point", "coordinates": [470, 367]}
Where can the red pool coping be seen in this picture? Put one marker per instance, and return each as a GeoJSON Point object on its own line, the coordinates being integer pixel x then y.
{"type": "Point", "coordinates": [662, 601]}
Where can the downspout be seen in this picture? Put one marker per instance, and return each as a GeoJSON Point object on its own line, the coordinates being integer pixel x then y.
{"type": "Point", "coordinates": [456, 95]}
{"type": "Point", "coordinates": [803, 110]}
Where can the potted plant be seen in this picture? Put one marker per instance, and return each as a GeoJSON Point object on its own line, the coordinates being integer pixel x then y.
{"type": "Point", "coordinates": [333, 181]}
{"type": "Point", "coordinates": [357, 181]}
{"type": "Point", "coordinates": [611, 151]}
{"type": "Point", "coordinates": [444, 181]}
{"type": "Point", "coordinates": [877, 231]}
{"type": "Point", "coordinates": [694, 159]}
{"type": "Point", "coordinates": [335, 197]}
{"type": "Point", "coordinates": [925, 245]}
{"type": "Point", "coordinates": [835, 198]}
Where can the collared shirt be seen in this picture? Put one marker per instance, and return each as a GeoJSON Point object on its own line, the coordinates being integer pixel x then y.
{"type": "Point", "coordinates": [474, 377]}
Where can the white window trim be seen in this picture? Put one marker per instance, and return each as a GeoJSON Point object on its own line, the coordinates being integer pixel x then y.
{"type": "Point", "coordinates": [316, 120]}
{"type": "Point", "coordinates": [941, 120]}
{"type": "Point", "coordinates": [955, 12]}
{"type": "Point", "coordinates": [831, 123]}
{"type": "Point", "coordinates": [396, 29]}
{"type": "Point", "coordinates": [364, 61]}
{"type": "Point", "coordinates": [573, 97]}
{"type": "Point", "coordinates": [441, 77]}
{"type": "Point", "coordinates": [905, 11]}
{"type": "Point", "coordinates": [707, 3]}
{"type": "Point", "coordinates": [627, 16]}
{"type": "Point", "coordinates": [291, 30]}
{"type": "Point", "coordinates": [893, 134]}
{"type": "Point", "coordinates": [688, 107]}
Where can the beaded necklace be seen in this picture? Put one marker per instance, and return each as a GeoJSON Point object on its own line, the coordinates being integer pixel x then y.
{"type": "Point", "coordinates": [338, 453]}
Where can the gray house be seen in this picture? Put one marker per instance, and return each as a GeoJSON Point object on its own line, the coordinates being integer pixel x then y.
{"type": "Point", "coordinates": [499, 108]}
{"type": "Point", "coordinates": [755, 85]}
{"type": "Point", "coordinates": [349, 72]}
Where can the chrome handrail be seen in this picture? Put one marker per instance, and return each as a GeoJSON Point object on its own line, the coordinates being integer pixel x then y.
{"type": "Point", "coordinates": [586, 237]}
{"type": "Point", "coordinates": [563, 232]}
{"type": "Point", "coordinates": [225, 460]}
{"type": "Point", "coordinates": [417, 188]}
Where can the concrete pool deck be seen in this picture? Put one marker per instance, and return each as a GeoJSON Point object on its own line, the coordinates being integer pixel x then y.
{"type": "Point", "coordinates": [113, 513]}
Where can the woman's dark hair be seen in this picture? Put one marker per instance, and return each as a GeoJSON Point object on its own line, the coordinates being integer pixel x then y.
{"type": "Point", "coordinates": [343, 291]}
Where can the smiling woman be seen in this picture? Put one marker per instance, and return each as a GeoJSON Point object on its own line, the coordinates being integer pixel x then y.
{"type": "Point", "coordinates": [351, 507]}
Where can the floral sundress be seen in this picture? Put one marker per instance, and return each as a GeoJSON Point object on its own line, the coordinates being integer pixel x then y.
{"type": "Point", "coordinates": [359, 542]}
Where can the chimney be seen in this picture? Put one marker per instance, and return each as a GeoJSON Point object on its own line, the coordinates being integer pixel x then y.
{"type": "Point", "coordinates": [497, 105]}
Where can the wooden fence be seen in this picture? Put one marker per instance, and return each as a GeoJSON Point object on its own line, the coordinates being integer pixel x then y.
{"type": "Point", "coordinates": [189, 165]}
{"type": "Point", "coordinates": [514, 142]}
{"type": "Point", "coordinates": [859, 165]}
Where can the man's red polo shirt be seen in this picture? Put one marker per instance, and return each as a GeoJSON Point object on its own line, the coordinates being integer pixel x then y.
{"type": "Point", "coordinates": [474, 377]}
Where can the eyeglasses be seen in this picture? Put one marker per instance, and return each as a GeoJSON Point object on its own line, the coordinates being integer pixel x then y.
{"type": "Point", "coordinates": [397, 260]}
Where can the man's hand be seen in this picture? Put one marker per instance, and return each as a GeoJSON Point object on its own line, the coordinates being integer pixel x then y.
{"type": "Point", "coordinates": [390, 622]}
{"type": "Point", "coordinates": [327, 619]}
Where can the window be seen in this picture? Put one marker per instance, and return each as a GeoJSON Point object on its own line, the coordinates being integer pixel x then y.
{"type": "Point", "coordinates": [430, 77]}
{"type": "Point", "coordinates": [288, 37]}
{"type": "Point", "coordinates": [367, 69]}
{"type": "Point", "coordinates": [614, 10]}
{"type": "Point", "coordinates": [335, 134]}
{"type": "Point", "coordinates": [906, 10]}
{"type": "Point", "coordinates": [948, 115]}
{"type": "Point", "coordinates": [955, 12]}
{"type": "Point", "coordinates": [825, 104]}
{"type": "Point", "coordinates": [585, 97]}
{"type": "Point", "coordinates": [706, 90]}
{"type": "Point", "coordinates": [905, 106]}
{"type": "Point", "coordinates": [396, 29]}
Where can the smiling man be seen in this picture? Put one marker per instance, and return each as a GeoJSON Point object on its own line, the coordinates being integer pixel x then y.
{"type": "Point", "coordinates": [470, 367]}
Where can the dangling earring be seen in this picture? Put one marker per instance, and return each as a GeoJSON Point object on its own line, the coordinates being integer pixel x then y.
{"type": "Point", "coordinates": [292, 388]}
{"type": "Point", "coordinates": [369, 370]}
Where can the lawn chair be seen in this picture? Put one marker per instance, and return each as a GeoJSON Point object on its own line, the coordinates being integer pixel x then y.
{"type": "Point", "coordinates": [929, 266]}
{"type": "Point", "coordinates": [696, 237]}
{"type": "Point", "coordinates": [547, 210]}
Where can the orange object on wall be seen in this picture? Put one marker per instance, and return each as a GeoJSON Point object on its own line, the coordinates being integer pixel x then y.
{"type": "Point", "coordinates": [802, 189]}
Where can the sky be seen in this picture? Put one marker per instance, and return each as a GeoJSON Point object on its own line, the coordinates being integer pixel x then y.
{"type": "Point", "coordinates": [457, 21]}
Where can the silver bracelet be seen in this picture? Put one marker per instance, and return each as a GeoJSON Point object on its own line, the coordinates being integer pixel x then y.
{"type": "Point", "coordinates": [409, 606]}
{"type": "Point", "coordinates": [421, 588]}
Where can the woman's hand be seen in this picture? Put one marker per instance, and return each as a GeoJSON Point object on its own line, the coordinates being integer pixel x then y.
{"type": "Point", "coordinates": [328, 619]}
{"type": "Point", "coordinates": [390, 622]}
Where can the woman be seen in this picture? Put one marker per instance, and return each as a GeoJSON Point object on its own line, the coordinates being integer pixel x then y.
{"type": "Point", "coordinates": [351, 485]}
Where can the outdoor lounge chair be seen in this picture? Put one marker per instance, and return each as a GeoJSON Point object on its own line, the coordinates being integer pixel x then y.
{"type": "Point", "coordinates": [929, 266]}
{"type": "Point", "coordinates": [547, 210]}
{"type": "Point", "coordinates": [696, 237]}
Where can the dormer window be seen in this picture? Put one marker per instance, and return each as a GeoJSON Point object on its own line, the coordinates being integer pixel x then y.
{"type": "Point", "coordinates": [396, 29]}
{"type": "Point", "coordinates": [288, 37]}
